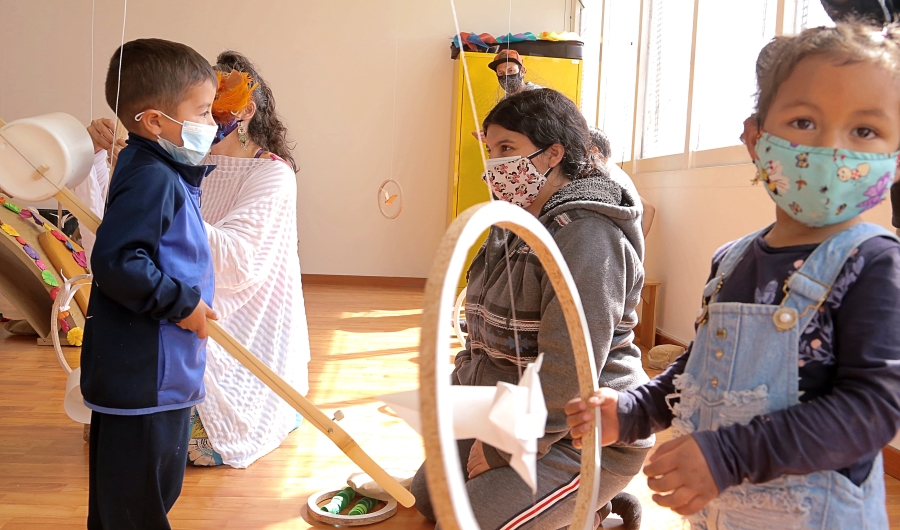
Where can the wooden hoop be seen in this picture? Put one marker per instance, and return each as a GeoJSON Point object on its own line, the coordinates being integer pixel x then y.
{"type": "Point", "coordinates": [446, 484]}
{"type": "Point", "coordinates": [457, 311]}
{"type": "Point", "coordinates": [388, 511]}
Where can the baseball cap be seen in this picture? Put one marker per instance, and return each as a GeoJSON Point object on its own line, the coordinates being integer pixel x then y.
{"type": "Point", "coordinates": [505, 56]}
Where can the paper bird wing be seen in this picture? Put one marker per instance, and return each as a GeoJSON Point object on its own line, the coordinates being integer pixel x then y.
{"type": "Point", "coordinates": [508, 417]}
{"type": "Point", "coordinates": [471, 407]}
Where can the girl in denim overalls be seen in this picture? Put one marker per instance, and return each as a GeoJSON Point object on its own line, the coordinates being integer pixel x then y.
{"type": "Point", "coordinates": [782, 404]}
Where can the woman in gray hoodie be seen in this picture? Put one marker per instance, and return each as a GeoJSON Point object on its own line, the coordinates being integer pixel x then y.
{"type": "Point", "coordinates": [539, 145]}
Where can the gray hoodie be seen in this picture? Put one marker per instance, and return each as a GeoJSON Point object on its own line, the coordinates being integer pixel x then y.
{"type": "Point", "coordinates": [596, 222]}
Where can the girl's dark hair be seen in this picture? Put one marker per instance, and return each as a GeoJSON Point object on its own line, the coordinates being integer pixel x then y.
{"type": "Point", "coordinates": [547, 117]}
{"type": "Point", "coordinates": [601, 142]}
{"type": "Point", "coordinates": [851, 41]}
{"type": "Point", "coordinates": [266, 128]}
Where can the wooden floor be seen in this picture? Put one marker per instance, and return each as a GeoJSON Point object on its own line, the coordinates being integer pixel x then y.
{"type": "Point", "coordinates": [364, 343]}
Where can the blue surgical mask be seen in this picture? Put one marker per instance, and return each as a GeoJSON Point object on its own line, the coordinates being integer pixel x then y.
{"type": "Point", "coordinates": [196, 137]}
{"type": "Point", "coordinates": [822, 186]}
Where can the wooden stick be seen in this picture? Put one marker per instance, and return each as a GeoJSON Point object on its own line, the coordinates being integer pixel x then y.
{"type": "Point", "coordinates": [446, 485]}
{"type": "Point", "coordinates": [272, 380]}
{"type": "Point", "coordinates": [316, 417]}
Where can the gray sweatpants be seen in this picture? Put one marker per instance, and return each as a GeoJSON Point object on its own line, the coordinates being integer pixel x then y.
{"type": "Point", "coordinates": [502, 501]}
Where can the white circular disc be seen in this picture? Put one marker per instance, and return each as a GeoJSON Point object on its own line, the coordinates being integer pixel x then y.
{"type": "Point", "coordinates": [57, 141]}
{"type": "Point", "coordinates": [390, 199]}
{"type": "Point", "coordinates": [74, 403]}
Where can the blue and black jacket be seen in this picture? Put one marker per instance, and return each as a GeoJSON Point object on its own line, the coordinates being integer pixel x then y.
{"type": "Point", "coordinates": [152, 265]}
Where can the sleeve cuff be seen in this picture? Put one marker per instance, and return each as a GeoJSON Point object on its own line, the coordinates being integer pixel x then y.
{"type": "Point", "coordinates": [627, 420]}
{"type": "Point", "coordinates": [715, 459]}
{"type": "Point", "coordinates": [190, 301]}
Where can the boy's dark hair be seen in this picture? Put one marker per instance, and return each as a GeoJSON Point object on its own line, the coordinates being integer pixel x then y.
{"type": "Point", "coordinates": [266, 127]}
{"type": "Point", "coordinates": [601, 142]}
{"type": "Point", "coordinates": [547, 117]}
{"type": "Point", "coordinates": [156, 73]}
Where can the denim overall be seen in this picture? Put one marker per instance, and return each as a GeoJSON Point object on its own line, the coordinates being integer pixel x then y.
{"type": "Point", "coordinates": [744, 363]}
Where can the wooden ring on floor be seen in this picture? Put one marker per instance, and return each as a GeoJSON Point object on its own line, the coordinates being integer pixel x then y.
{"type": "Point", "coordinates": [446, 485]}
{"type": "Point", "coordinates": [313, 503]}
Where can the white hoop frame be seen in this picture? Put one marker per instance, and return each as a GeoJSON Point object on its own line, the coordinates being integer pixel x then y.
{"type": "Point", "coordinates": [446, 484]}
{"type": "Point", "coordinates": [63, 299]}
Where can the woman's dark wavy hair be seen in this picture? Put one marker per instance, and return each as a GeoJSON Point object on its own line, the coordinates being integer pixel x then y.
{"type": "Point", "coordinates": [266, 128]}
{"type": "Point", "coordinates": [547, 117]}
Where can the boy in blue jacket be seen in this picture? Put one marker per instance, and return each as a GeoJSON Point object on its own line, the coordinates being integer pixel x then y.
{"type": "Point", "coordinates": [144, 350]}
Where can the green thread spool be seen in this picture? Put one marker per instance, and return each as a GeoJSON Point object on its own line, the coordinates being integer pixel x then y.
{"type": "Point", "coordinates": [339, 501]}
{"type": "Point", "coordinates": [364, 506]}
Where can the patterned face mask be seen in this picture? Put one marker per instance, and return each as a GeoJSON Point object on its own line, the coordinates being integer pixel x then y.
{"type": "Point", "coordinates": [821, 186]}
{"type": "Point", "coordinates": [514, 179]}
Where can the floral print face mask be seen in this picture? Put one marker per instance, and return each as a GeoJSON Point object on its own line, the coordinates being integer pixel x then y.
{"type": "Point", "coordinates": [821, 186]}
{"type": "Point", "coordinates": [514, 179]}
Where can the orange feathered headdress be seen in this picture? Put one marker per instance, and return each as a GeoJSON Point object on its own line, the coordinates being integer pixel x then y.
{"type": "Point", "coordinates": [233, 94]}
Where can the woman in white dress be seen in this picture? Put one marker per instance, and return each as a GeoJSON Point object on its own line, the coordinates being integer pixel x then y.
{"type": "Point", "coordinates": [249, 204]}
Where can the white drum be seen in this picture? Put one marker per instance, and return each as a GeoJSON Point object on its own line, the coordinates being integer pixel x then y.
{"type": "Point", "coordinates": [57, 142]}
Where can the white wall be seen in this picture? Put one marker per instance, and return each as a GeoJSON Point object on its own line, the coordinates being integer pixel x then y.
{"type": "Point", "coordinates": [698, 211]}
{"type": "Point", "coordinates": [364, 86]}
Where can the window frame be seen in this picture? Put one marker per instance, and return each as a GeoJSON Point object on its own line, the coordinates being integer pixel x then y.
{"type": "Point", "coordinates": [786, 17]}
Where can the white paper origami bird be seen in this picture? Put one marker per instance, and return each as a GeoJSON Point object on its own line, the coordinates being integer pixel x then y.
{"type": "Point", "coordinates": [508, 417]}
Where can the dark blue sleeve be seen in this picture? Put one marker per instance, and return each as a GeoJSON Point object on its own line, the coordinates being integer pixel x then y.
{"type": "Point", "coordinates": [643, 410]}
{"type": "Point", "coordinates": [853, 422]}
{"type": "Point", "coordinates": [142, 204]}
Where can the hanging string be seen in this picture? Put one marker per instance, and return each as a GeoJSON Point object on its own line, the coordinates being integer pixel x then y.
{"type": "Point", "coordinates": [394, 107]}
{"type": "Point", "coordinates": [118, 84]}
{"type": "Point", "coordinates": [91, 86]}
{"type": "Point", "coordinates": [509, 27]}
{"type": "Point", "coordinates": [512, 298]}
{"type": "Point", "coordinates": [462, 57]}
{"type": "Point", "coordinates": [116, 110]}
{"type": "Point", "coordinates": [512, 301]}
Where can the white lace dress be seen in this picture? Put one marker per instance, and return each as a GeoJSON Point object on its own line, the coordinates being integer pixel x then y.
{"type": "Point", "coordinates": [92, 192]}
{"type": "Point", "coordinates": [250, 207]}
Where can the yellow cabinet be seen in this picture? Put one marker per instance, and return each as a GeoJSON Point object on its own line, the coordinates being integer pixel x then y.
{"type": "Point", "coordinates": [466, 186]}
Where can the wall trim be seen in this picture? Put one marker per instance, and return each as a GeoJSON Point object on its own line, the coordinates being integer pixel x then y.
{"type": "Point", "coordinates": [891, 461]}
{"type": "Point", "coordinates": [364, 281]}
{"type": "Point", "coordinates": [662, 338]}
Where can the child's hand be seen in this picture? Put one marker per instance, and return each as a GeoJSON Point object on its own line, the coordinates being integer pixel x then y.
{"type": "Point", "coordinates": [579, 417]}
{"type": "Point", "coordinates": [196, 321]}
{"type": "Point", "coordinates": [477, 463]}
{"type": "Point", "coordinates": [679, 467]}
